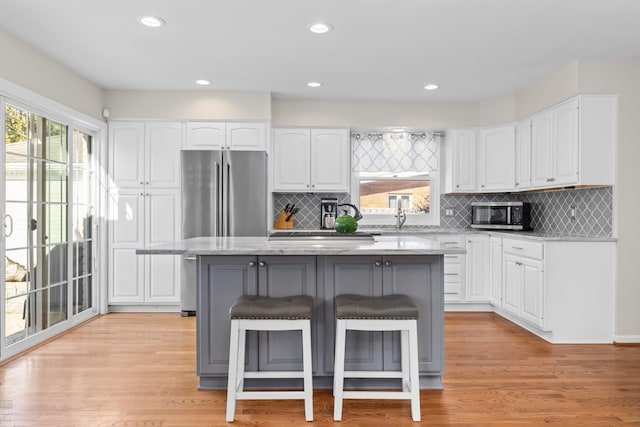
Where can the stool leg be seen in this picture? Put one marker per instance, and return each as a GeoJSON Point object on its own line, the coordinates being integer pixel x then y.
{"type": "Point", "coordinates": [306, 363]}
{"type": "Point", "coordinates": [404, 359]}
{"type": "Point", "coordinates": [413, 367]}
{"type": "Point", "coordinates": [338, 370]}
{"type": "Point", "coordinates": [233, 371]}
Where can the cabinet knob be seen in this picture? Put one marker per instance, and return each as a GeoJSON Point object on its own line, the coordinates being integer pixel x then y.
{"type": "Point", "coordinates": [252, 264]}
{"type": "Point", "coordinates": [387, 263]}
{"type": "Point", "coordinates": [378, 263]}
{"type": "Point", "coordinates": [262, 263]}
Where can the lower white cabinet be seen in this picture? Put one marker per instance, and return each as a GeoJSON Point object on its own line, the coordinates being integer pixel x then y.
{"type": "Point", "coordinates": [138, 218]}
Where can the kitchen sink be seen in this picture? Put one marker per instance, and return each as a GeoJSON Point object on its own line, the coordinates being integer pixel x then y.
{"type": "Point", "coordinates": [321, 236]}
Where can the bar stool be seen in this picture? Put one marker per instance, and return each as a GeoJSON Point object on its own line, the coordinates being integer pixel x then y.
{"type": "Point", "coordinates": [258, 313]}
{"type": "Point", "coordinates": [385, 313]}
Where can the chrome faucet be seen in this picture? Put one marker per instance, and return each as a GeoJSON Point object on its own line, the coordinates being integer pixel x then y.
{"type": "Point", "coordinates": [401, 217]}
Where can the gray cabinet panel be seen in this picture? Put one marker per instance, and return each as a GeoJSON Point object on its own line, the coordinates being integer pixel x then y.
{"type": "Point", "coordinates": [222, 280]}
{"type": "Point", "coordinates": [410, 275]}
{"type": "Point", "coordinates": [352, 275]}
{"type": "Point", "coordinates": [280, 276]}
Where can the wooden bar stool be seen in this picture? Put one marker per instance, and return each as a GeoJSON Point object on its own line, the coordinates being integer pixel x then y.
{"type": "Point", "coordinates": [385, 313]}
{"type": "Point", "coordinates": [256, 313]}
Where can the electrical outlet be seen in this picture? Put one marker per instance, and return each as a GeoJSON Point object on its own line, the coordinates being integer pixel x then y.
{"type": "Point", "coordinates": [572, 212]}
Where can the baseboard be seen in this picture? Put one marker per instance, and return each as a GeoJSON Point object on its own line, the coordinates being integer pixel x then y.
{"type": "Point", "coordinates": [626, 339]}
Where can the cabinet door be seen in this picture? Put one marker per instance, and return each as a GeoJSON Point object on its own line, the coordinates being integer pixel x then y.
{"type": "Point", "coordinates": [523, 155]}
{"type": "Point", "coordinates": [532, 292]}
{"type": "Point", "coordinates": [496, 158]}
{"type": "Point", "coordinates": [418, 277]}
{"type": "Point", "coordinates": [126, 155]}
{"type": "Point", "coordinates": [162, 225]}
{"type": "Point", "coordinates": [464, 160]}
{"type": "Point", "coordinates": [330, 160]}
{"type": "Point", "coordinates": [246, 136]}
{"type": "Point", "coordinates": [125, 234]}
{"type": "Point", "coordinates": [291, 154]}
{"type": "Point", "coordinates": [512, 284]}
{"type": "Point", "coordinates": [565, 143]}
{"type": "Point", "coordinates": [477, 269]}
{"type": "Point", "coordinates": [541, 140]}
{"type": "Point", "coordinates": [495, 272]}
{"type": "Point", "coordinates": [162, 154]}
{"type": "Point", "coordinates": [280, 276]}
{"type": "Point", "coordinates": [352, 275]}
{"type": "Point", "coordinates": [222, 280]}
{"type": "Point", "coordinates": [205, 136]}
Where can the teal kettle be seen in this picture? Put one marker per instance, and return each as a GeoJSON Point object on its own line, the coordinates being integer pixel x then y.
{"type": "Point", "coordinates": [346, 223]}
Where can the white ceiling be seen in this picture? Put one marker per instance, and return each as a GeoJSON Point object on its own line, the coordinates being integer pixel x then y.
{"type": "Point", "coordinates": [378, 50]}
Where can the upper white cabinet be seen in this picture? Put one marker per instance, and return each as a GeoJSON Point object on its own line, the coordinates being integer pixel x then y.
{"type": "Point", "coordinates": [496, 154]}
{"type": "Point", "coordinates": [523, 155]}
{"type": "Point", "coordinates": [144, 154]}
{"type": "Point", "coordinates": [311, 160]}
{"type": "Point", "coordinates": [225, 136]}
{"type": "Point", "coordinates": [461, 161]}
{"type": "Point", "coordinates": [573, 143]}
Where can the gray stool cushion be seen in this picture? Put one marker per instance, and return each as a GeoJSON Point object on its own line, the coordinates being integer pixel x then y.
{"type": "Point", "coordinates": [351, 306]}
{"type": "Point", "coordinates": [256, 307]}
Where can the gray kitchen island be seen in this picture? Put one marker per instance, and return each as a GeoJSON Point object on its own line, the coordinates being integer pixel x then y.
{"type": "Point", "coordinates": [233, 266]}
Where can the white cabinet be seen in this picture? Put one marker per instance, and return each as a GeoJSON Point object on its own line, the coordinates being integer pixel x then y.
{"type": "Point", "coordinates": [311, 160]}
{"type": "Point", "coordinates": [144, 155]}
{"type": "Point", "coordinates": [573, 143]}
{"type": "Point", "coordinates": [454, 269]}
{"type": "Point", "coordinates": [238, 136]}
{"type": "Point", "coordinates": [496, 158]}
{"type": "Point", "coordinates": [477, 271]}
{"type": "Point", "coordinates": [523, 155]}
{"type": "Point", "coordinates": [143, 209]}
{"type": "Point", "coordinates": [461, 161]}
{"type": "Point", "coordinates": [495, 270]}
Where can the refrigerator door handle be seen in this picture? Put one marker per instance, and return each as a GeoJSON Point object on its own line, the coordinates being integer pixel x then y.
{"type": "Point", "coordinates": [226, 194]}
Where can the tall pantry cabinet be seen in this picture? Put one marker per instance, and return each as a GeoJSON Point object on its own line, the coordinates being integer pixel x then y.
{"type": "Point", "coordinates": [144, 209]}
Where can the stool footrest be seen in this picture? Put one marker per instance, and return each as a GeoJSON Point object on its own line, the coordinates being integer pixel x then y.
{"type": "Point", "coordinates": [373, 374]}
{"type": "Point", "coordinates": [399, 395]}
{"type": "Point", "coordinates": [270, 395]}
{"type": "Point", "coordinates": [274, 374]}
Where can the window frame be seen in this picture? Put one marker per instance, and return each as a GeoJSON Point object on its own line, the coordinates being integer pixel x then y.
{"type": "Point", "coordinates": [431, 218]}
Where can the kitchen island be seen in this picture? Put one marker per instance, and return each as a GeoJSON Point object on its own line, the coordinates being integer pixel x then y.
{"type": "Point", "coordinates": [230, 267]}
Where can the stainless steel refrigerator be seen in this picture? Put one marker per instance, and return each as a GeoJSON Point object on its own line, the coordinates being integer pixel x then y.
{"type": "Point", "coordinates": [224, 193]}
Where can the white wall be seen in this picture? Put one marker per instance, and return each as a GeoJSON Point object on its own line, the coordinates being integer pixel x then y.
{"type": "Point", "coordinates": [623, 77]}
{"type": "Point", "coordinates": [372, 115]}
{"type": "Point", "coordinates": [189, 105]}
{"type": "Point", "coordinates": [24, 66]}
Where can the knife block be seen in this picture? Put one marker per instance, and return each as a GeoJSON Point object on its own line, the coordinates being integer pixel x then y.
{"type": "Point", "coordinates": [282, 224]}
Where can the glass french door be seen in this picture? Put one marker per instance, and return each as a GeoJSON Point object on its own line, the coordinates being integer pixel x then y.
{"type": "Point", "coordinates": [48, 206]}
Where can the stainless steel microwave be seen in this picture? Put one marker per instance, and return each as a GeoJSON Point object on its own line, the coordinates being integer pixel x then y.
{"type": "Point", "coordinates": [501, 215]}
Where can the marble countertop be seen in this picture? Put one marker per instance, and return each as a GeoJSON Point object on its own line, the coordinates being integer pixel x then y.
{"type": "Point", "coordinates": [381, 245]}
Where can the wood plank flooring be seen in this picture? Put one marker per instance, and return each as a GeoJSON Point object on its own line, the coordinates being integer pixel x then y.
{"type": "Point", "coordinates": [138, 370]}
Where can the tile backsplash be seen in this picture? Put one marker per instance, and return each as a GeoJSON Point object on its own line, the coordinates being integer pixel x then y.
{"type": "Point", "coordinates": [550, 210]}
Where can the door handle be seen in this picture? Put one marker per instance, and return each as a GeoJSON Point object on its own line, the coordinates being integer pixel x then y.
{"type": "Point", "coordinates": [6, 225]}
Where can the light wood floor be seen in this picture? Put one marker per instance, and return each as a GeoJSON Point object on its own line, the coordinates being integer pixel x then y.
{"type": "Point", "coordinates": [138, 370]}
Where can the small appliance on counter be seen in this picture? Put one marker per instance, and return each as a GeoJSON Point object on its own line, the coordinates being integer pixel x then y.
{"type": "Point", "coordinates": [501, 215]}
{"type": "Point", "coordinates": [328, 212]}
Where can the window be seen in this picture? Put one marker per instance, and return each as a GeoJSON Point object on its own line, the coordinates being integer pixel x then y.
{"type": "Point", "coordinates": [396, 172]}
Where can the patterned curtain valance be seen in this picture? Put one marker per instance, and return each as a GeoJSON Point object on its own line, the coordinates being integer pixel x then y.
{"type": "Point", "coordinates": [395, 152]}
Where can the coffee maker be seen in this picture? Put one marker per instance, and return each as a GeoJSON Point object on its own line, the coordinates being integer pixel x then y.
{"type": "Point", "coordinates": [328, 212]}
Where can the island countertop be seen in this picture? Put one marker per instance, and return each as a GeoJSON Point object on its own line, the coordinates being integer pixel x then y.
{"type": "Point", "coordinates": [381, 245]}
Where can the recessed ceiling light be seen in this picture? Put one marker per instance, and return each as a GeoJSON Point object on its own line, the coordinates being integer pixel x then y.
{"type": "Point", "coordinates": [314, 84]}
{"type": "Point", "coordinates": [203, 82]}
{"type": "Point", "coordinates": [151, 21]}
{"type": "Point", "coordinates": [431, 86]}
{"type": "Point", "coordinates": [320, 28]}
